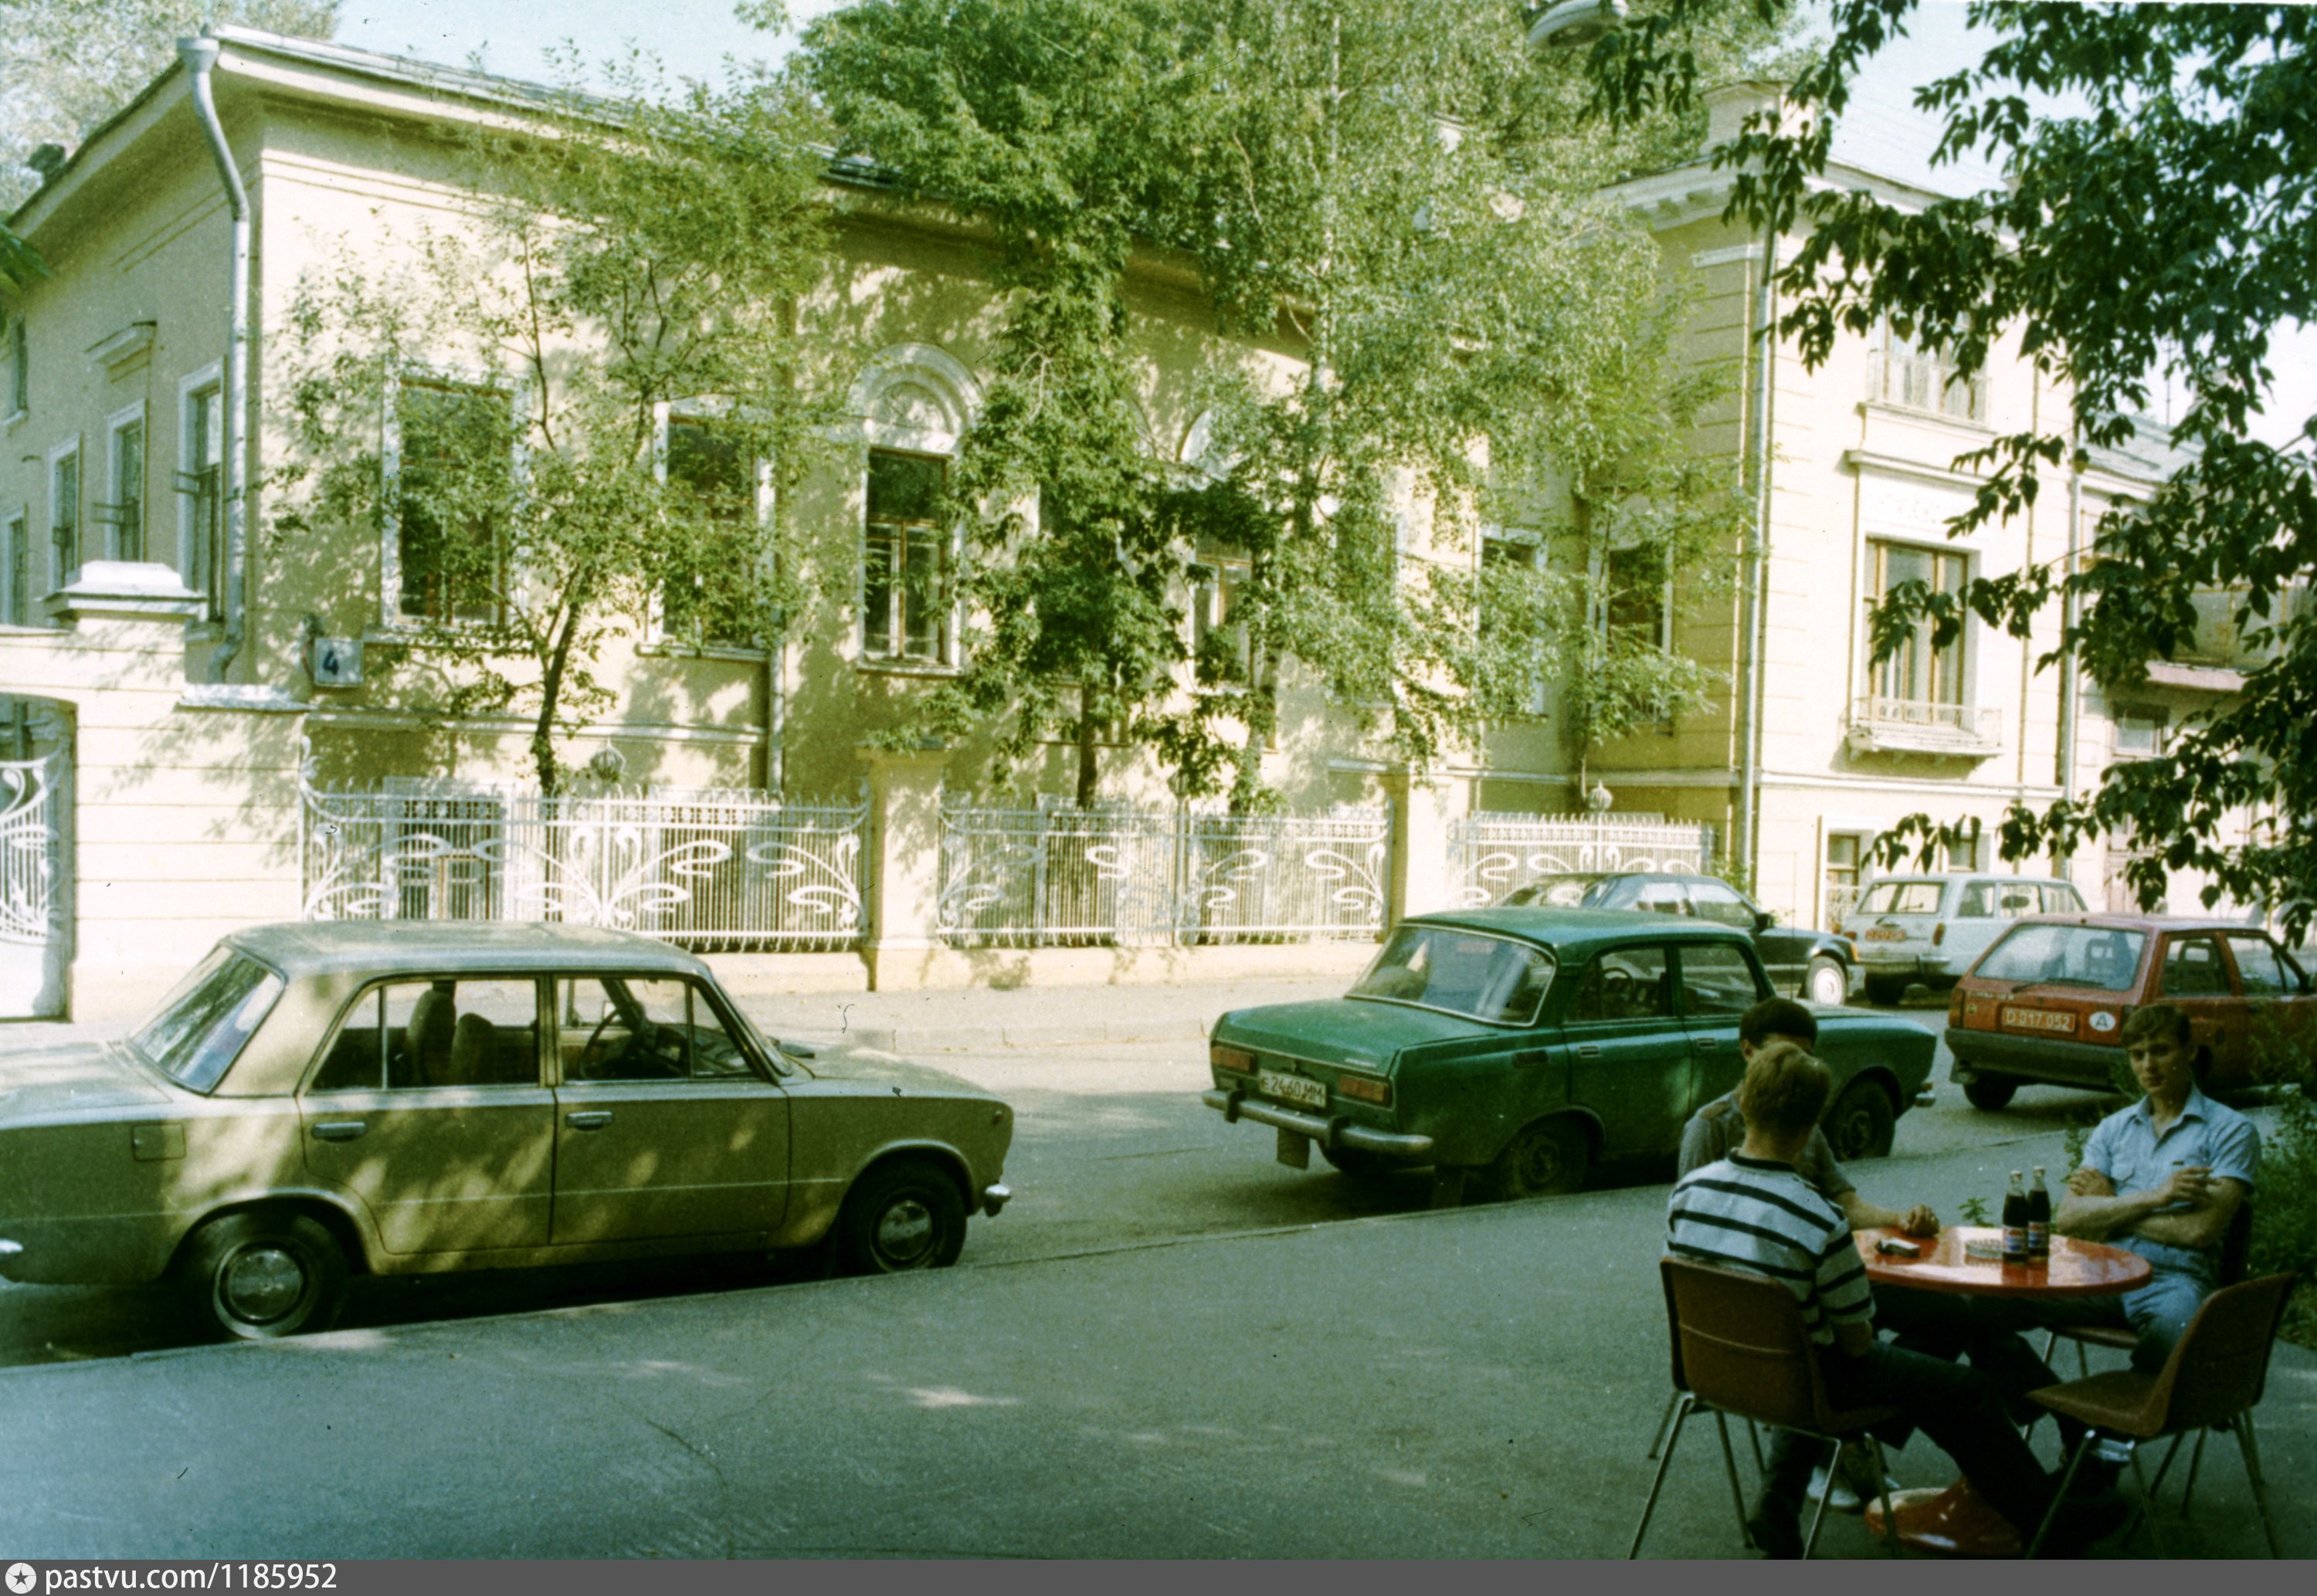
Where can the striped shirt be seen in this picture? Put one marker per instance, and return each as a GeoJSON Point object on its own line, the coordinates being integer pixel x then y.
{"type": "Point", "coordinates": [1762, 1216]}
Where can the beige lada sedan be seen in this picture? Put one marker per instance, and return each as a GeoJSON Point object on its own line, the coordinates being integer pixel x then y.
{"type": "Point", "coordinates": [400, 1098]}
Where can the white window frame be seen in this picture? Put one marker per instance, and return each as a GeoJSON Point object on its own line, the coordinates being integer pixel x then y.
{"type": "Point", "coordinates": [947, 379]}
{"type": "Point", "coordinates": [1965, 645]}
{"type": "Point", "coordinates": [2152, 715]}
{"type": "Point", "coordinates": [16, 567]}
{"type": "Point", "coordinates": [60, 577]}
{"type": "Point", "coordinates": [115, 426]}
{"type": "Point", "coordinates": [389, 554]}
{"type": "Point", "coordinates": [1890, 356]}
{"type": "Point", "coordinates": [664, 415]}
{"type": "Point", "coordinates": [190, 389]}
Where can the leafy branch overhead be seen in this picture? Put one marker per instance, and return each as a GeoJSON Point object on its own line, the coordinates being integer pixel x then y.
{"type": "Point", "coordinates": [2156, 228]}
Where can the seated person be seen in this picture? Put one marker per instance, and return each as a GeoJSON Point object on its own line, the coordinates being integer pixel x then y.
{"type": "Point", "coordinates": [1754, 1211]}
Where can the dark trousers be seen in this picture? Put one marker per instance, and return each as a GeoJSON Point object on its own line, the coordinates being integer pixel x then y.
{"type": "Point", "coordinates": [1957, 1407]}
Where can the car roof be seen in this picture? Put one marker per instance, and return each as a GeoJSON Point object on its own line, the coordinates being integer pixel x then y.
{"type": "Point", "coordinates": [1577, 929]}
{"type": "Point", "coordinates": [1943, 875]}
{"type": "Point", "coordinates": [2117, 921]}
{"type": "Point", "coordinates": [319, 947]}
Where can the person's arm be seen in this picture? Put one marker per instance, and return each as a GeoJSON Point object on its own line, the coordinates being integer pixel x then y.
{"type": "Point", "coordinates": [1701, 1143]}
{"type": "Point", "coordinates": [2202, 1226]}
{"type": "Point", "coordinates": [1863, 1215]}
{"type": "Point", "coordinates": [1854, 1339]}
{"type": "Point", "coordinates": [2092, 1211]}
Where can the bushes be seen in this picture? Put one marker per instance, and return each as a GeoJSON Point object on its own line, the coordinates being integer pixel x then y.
{"type": "Point", "coordinates": [2284, 1209]}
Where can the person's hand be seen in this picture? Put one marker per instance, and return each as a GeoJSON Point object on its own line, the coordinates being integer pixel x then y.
{"type": "Point", "coordinates": [1920, 1221]}
{"type": "Point", "coordinates": [2188, 1183]}
{"type": "Point", "coordinates": [2089, 1182]}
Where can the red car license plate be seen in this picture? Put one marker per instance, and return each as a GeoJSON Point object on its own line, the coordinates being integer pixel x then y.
{"type": "Point", "coordinates": [2038, 1020]}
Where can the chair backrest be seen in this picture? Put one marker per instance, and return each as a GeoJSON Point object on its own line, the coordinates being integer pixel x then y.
{"type": "Point", "coordinates": [2220, 1366]}
{"type": "Point", "coordinates": [2236, 1246]}
{"type": "Point", "coordinates": [1739, 1343]}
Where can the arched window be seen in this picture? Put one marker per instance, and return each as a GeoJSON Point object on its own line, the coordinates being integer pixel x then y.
{"type": "Point", "coordinates": [916, 404]}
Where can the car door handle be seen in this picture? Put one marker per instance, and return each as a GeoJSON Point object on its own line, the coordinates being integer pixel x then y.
{"type": "Point", "coordinates": [1587, 1050]}
{"type": "Point", "coordinates": [588, 1119]}
{"type": "Point", "coordinates": [1704, 1044]}
{"type": "Point", "coordinates": [339, 1130]}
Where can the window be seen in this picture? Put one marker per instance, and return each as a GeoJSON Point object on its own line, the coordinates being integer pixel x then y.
{"type": "Point", "coordinates": [1722, 904]}
{"type": "Point", "coordinates": [1629, 984]}
{"type": "Point", "coordinates": [1902, 897]}
{"type": "Point", "coordinates": [450, 473]}
{"type": "Point", "coordinates": [906, 591]}
{"type": "Point", "coordinates": [628, 1028]}
{"type": "Point", "coordinates": [199, 1028]}
{"type": "Point", "coordinates": [2193, 969]}
{"type": "Point", "coordinates": [436, 1032]}
{"type": "Point", "coordinates": [2067, 955]}
{"type": "Point", "coordinates": [1487, 979]}
{"type": "Point", "coordinates": [1845, 852]}
{"type": "Point", "coordinates": [1220, 641]}
{"type": "Point", "coordinates": [64, 514]}
{"type": "Point", "coordinates": [1715, 980]}
{"type": "Point", "coordinates": [1663, 898]}
{"type": "Point", "coordinates": [16, 570]}
{"type": "Point", "coordinates": [20, 367]}
{"type": "Point", "coordinates": [708, 596]}
{"type": "Point", "coordinates": [2139, 732]}
{"type": "Point", "coordinates": [200, 525]}
{"type": "Point", "coordinates": [1919, 673]}
{"type": "Point", "coordinates": [1900, 371]}
{"type": "Point", "coordinates": [1634, 595]}
{"type": "Point", "coordinates": [1505, 556]}
{"type": "Point", "coordinates": [2259, 970]}
{"type": "Point", "coordinates": [124, 512]}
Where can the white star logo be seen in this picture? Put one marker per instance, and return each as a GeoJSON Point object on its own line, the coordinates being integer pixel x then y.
{"type": "Point", "coordinates": [21, 1577]}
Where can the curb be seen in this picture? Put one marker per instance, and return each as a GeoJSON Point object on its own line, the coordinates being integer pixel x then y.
{"type": "Point", "coordinates": [966, 1038]}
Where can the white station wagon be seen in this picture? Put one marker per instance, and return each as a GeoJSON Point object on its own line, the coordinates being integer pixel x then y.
{"type": "Point", "coordinates": [1932, 927]}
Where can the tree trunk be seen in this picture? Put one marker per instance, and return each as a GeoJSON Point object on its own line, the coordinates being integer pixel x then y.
{"type": "Point", "coordinates": [1088, 750]}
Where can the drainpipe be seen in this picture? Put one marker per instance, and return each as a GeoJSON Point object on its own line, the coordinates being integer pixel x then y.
{"type": "Point", "coordinates": [199, 55]}
{"type": "Point", "coordinates": [1754, 628]}
{"type": "Point", "coordinates": [2069, 691]}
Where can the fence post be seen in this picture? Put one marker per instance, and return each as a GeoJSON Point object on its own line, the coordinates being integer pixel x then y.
{"type": "Point", "coordinates": [903, 946]}
{"type": "Point", "coordinates": [1420, 817]}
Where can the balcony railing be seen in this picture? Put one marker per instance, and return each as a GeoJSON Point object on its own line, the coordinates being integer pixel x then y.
{"type": "Point", "coordinates": [1911, 725]}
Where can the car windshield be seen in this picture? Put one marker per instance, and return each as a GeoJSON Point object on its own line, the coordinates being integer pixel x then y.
{"type": "Point", "coordinates": [1483, 977]}
{"type": "Point", "coordinates": [2091, 955]}
{"type": "Point", "coordinates": [199, 1028]}
{"type": "Point", "coordinates": [1902, 897]}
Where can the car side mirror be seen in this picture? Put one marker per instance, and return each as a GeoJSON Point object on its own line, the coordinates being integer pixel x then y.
{"type": "Point", "coordinates": [1764, 919]}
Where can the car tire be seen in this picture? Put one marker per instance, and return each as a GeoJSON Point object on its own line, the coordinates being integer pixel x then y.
{"type": "Point", "coordinates": [1861, 1123]}
{"type": "Point", "coordinates": [1991, 1092]}
{"type": "Point", "coordinates": [1358, 1164]}
{"type": "Point", "coordinates": [1826, 981]}
{"type": "Point", "coordinates": [260, 1275]}
{"type": "Point", "coordinates": [1548, 1157]}
{"type": "Point", "coordinates": [902, 1216]}
{"type": "Point", "coordinates": [1886, 990]}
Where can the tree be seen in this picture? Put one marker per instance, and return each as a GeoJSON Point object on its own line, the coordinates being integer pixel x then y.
{"type": "Point", "coordinates": [2157, 227]}
{"type": "Point", "coordinates": [1391, 193]}
{"type": "Point", "coordinates": [625, 394]}
{"type": "Point", "coordinates": [20, 262]}
{"type": "Point", "coordinates": [67, 65]}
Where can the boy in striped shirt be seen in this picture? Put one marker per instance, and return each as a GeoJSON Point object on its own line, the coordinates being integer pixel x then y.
{"type": "Point", "coordinates": [1754, 1211]}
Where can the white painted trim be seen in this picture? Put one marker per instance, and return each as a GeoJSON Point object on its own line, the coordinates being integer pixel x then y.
{"type": "Point", "coordinates": [12, 604]}
{"type": "Point", "coordinates": [521, 724]}
{"type": "Point", "coordinates": [57, 454]}
{"type": "Point", "coordinates": [189, 387]}
{"type": "Point", "coordinates": [119, 422]}
{"type": "Point", "coordinates": [930, 367]}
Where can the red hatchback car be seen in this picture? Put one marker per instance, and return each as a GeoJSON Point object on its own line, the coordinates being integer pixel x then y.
{"type": "Point", "coordinates": [2048, 999]}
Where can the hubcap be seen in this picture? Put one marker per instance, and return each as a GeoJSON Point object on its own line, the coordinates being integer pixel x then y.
{"type": "Point", "coordinates": [905, 1231]}
{"type": "Point", "coordinates": [1828, 987]}
{"type": "Point", "coordinates": [260, 1284]}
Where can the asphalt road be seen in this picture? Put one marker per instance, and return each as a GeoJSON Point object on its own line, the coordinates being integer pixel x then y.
{"type": "Point", "coordinates": [1113, 1149]}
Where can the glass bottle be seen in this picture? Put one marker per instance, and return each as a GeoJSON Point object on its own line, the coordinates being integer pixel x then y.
{"type": "Point", "coordinates": [2039, 1219]}
{"type": "Point", "coordinates": [2015, 1221]}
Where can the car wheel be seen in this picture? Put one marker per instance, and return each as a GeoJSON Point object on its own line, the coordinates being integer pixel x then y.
{"type": "Point", "coordinates": [1886, 990]}
{"type": "Point", "coordinates": [902, 1217]}
{"type": "Point", "coordinates": [1357, 1163]}
{"type": "Point", "coordinates": [1826, 981]}
{"type": "Point", "coordinates": [1989, 1091]}
{"type": "Point", "coordinates": [1861, 1123]}
{"type": "Point", "coordinates": [1548, 1156]}
{"type": "Point", "coordinates": [259, 1276]}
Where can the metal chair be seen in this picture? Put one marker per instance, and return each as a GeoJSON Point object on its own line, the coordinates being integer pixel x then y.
{"type": "Point", "coordinates": [1739, 1348]}
{"type": "Point", "coordinates": [2213, 1380]}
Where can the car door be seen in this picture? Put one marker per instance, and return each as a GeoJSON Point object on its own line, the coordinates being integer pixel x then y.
{"type": "Point", "coordinates": [1717, 984]}
{"type": "Point", "coordinates": [2278, 1008]}
{"type": "Point", "coordinates": [428, 1108]}
{"type": "Point", "coordinates": [665, 1124]}
{"type": "Point", "coordinates": [1783, 949]}
{"type": "Point", "coordinates": [2193, 976]}
{"type": "Point", "coordinates": [1628, 1053]}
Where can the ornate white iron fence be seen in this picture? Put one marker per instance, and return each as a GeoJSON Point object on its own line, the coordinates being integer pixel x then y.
{"type": "Point", "coordinates": [712, 870]}
{"type": "Point", "coordinates": [1087, 877]}
{"type": "Point", "coordinates": [31, 909]}
{"type": "Point", "coordinates": [1490, 854]}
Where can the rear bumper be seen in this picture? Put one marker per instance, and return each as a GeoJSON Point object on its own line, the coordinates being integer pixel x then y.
{"type": "Point", "coordinates": [1328, 1132]}
{"type": "Point", "coordinates": [1927, 966]}
{"type": "Point", "coordinates": [993, 1198]}
{"type": "Point", "coordinates": [2052, 1059]}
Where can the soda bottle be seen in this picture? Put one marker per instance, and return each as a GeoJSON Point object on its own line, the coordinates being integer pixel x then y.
{"type": "Point", "coordinates": [2039, 1219]}
{"type": "Point", "coordinates": [2015, 1221]}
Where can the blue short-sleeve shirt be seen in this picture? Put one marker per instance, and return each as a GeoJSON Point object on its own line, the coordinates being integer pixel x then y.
{"type": "Point", "coordinates": [2128, 1150]}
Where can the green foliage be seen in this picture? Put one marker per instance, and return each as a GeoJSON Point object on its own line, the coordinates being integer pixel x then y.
{"type": "Point", "coordinates": [639, 266]}
{"type": "Point", "coordinates": [1399, 197]}
{"type": "Point", "coordinates": [1973, 1210]}
{"type": "Point", "coordinates": [2285, 1211]}
{"type": "Point", "coordinates": [20, 262]}
{"type": "Point", "coordinates": [2156, 226]}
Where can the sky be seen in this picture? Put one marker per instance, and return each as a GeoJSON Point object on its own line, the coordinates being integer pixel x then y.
{"type": "Point", "coordinates": [692, 38]}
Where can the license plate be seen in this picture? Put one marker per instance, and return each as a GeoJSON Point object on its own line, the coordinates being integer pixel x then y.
{"type": "Point", "coordinates": [2037, 1019]}
{"type": "Point", "coordinates": [1296, 1089]}
{"type": "Point", "coordinates": [1885, 934]}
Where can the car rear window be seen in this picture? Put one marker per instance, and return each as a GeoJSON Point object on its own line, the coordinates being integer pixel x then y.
{"type": "Point", "coordinates": [2091, 955]}
{"type": "Point", "coordinates": [1902, 897]}
{"type": "Point", "coordinates": [201, 1027]}
{"type": "Point", "coordinates": [1464, 972]}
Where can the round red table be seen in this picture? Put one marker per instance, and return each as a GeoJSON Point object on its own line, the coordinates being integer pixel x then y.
{"type": "Point", "coordinates": [1955, 1520]}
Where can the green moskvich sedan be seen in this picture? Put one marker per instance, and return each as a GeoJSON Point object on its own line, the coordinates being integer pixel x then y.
{"type": "Point", "coordinates": [1523, 1046]}
{"type": "Point", "coordinates": [405, 1098]}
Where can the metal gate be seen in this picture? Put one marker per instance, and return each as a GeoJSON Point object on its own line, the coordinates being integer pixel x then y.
{"type": "Point", "coordinates": [34, 887]}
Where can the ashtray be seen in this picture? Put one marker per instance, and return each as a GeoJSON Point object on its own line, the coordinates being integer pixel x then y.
{"type": "Point", "coordinates": [1988, 1252]}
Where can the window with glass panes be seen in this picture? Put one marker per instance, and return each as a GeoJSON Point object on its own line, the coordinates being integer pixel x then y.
{"type": "Point", "coordinates": [64, 516]}
{"type": "Point", "coordinates": [906, 589]}
{"type": "Point", "coordinates": [452, 478]}
{"type": "Point", "coordinates": [20, 367]}
{"type": "Point", "coordinates": [708, 596]}
{"type": "Point", "coordinates": [202, 481]}
{"type": "Point", "coordinates": [1919, 673]}
{"type": "Point", "coordinates": [1901, 372]}
{"type": "Point", "coordinates": [1634, 601]}
{"type": "Point", "coordinates": [125, 512]}
{"type": "Point", "coordinates": [16, 570]}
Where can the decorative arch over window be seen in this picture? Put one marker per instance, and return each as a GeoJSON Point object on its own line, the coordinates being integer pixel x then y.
{"type": "Point", "coordinates": [916, 396]}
